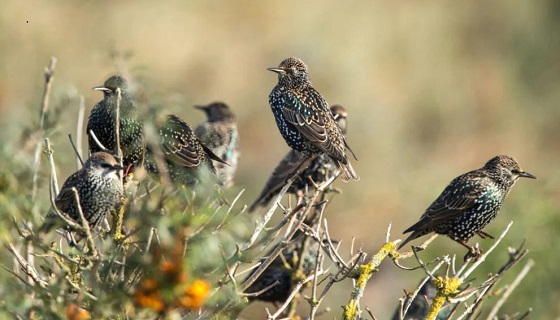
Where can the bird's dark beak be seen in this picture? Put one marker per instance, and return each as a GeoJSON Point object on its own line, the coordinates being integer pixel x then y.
{"type": "Point", "coordinates": [526, 175]}
{"type": "Point", "coordinates": [203, 108]}
{"type": "Point", "coordinates": [101, 88]}
{"type": "Point", "coordinates": [277, 70]}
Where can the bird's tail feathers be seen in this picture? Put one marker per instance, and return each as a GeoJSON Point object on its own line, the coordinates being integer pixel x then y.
{"type": "Point", "coordinates": [347, 172]}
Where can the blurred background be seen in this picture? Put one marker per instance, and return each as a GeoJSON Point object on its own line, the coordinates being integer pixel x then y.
{"type": "Point", "coordinates": [433, 89]}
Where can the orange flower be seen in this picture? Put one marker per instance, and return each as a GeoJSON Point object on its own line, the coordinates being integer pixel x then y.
{"type": "Point", "coordinates": [73, 312]}
{"type": "Point", "coordinates": [195, 295]}
{"type": "Point", "coordinates": [147, 296]}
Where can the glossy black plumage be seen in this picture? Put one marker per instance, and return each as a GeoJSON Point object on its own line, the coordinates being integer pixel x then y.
{"type": "Point", "coordinates": [219, 133]}
{"type": "Point", "coordinates": [319, 169]}
{"type": "Point", "coordinates": [303, 117]}
{"type": "Point", "coordinates": [469, 202]}
{"type": "Point", "coordinates": [99, 189]}
{"type": "Point", "coordinates": [102, 122]}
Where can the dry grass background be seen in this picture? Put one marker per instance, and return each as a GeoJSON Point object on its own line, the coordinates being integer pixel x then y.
{"type": "Point", "coordinates": [434, 89]}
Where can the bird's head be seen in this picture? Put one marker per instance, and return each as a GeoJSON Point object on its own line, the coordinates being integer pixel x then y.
{"type": "Point", "coordinates": [110, 85]}
{"type": "Point", "coordinates": [291, 71]}
{"type": "Point", "coordinates": [104, 162]}
{"type": "Point", "coordinates": [340, 114]}
{"type": "Point", "coordinates": [508, 166]}
{"type": "Point", "coordinates": [217, 112]}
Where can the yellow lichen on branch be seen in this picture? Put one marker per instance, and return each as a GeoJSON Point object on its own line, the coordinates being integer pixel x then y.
{"type": "Point", "coordinates": [447, 287]}
{"type": "Point", "coordinates": [365, 272]}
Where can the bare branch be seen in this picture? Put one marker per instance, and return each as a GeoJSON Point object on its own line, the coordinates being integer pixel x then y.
{"type": "Point", "coordinates": [528, 266]}
{"type": "Point", "coordinates": [79, 130]}
{"type": "Point", "coordinates": [49, 77]}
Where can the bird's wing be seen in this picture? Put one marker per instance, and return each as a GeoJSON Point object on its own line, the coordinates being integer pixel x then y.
{"type": "Point", "coordinates": [283, 171]}
{"type": "Point", "coordinates": [65, 198]}
{"type": "Point", "coordinates": [179, 143]}
{"type": "Point", "coordinates": [316, 124]}
{"type": "Point", "coordinates": [455, 199]}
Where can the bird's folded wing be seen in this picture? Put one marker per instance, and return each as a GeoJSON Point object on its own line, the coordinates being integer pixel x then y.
{"type": "Point", "coordinates": [312, 123]}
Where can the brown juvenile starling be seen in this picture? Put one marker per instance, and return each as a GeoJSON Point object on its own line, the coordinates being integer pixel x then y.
{"type": "Point", "coordinates": [319, 169]}
{"type": "Point", "coordinates": [102, 122]}
{"type": "Point", "coordinates": [469, 202]}
{"type": "Point", "coordinates": [220, 135]}
{"type": "Point", "coordinates": [99, 189]}
{"type": "Point", "coordinates": [186, 158]}
{"type": "Point", "coordinates": [303, 117]}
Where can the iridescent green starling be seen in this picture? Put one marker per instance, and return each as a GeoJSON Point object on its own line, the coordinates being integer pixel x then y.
{"type": "Point", "coordinates": [220, 134]}
{"type": "Point", "coordinates": [469, 202]}
{"type": "Point", "coordinates": [319, 169]}
{"type": "Point", "coordinates": [303, 117]}
{"type": "Point", "coordinates": [186, 158]}
{"type": "Point", "coordinates": [99, 189]}
{"type": "Point", "coordinates": [283, 271]}
{"type": "Point", "coordinates": [102, 122]}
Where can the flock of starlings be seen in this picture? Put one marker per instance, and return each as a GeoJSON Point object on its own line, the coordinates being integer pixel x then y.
{"type": "Point", "coordinates": [314, 132]}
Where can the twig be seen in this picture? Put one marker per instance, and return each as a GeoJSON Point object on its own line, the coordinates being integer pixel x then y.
{"type": "Point", "coordinates": [530, 264]}
{"type": "Point", "coordinates": [49, 151]}
{"type": "Point", "coordinates": [485, 254]}
{"type": "Point", "coordinates": [351, 309]}
{"type": "Point", "coordinates": [99, 144]}
{"type": "Point", "coordinates": [49, 77]}
{"type": "Point", "coordinates": [77, 151]}
{"type": "Point", "coordinates": [80, 128]}
{"type": "Point", "coordinates": [260, 226]}
{"type": "Point", "coordinates": [117, 130]}
{"type": "Point", "coordinates": [26, 266]}
{"type": "Point", "coordinates": [292, 295]}
{"type": "Point", "coordinates": [85, 225]}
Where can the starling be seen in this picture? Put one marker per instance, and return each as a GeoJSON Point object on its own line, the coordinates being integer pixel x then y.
{"type": "Point", "coordinates": [99, 189]}
{"type": "Point", "coordinates": [220, 135]}
{"type": "Point", "coordinates": [282, 271]}
{"type": "Point", "coordinates": [319, 169]}
{"type": "Point", "coordinates": [186, 158]}
{"type": "Point", "coordinates": [469, 202]}
{"type": "Point", "coordinates": [303, 117]}
{"type": "Point", "coordinates": [102, 122]}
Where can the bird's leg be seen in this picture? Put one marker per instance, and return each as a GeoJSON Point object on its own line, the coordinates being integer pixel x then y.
{"type": "Point", "coordinates": [474, 252]}
{"type": "Point", "coordinates": [485, 235]}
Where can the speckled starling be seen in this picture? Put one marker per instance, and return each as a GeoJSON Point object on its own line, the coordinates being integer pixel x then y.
{"type": "Point", "coordinates": [303, 117]}
{"type": "Point", "coordinates": [220, 134]}
{"type": "Point", "coordinates": [284, 273]}
{"type": "Point", "coordinates": [186, 158]}
{"type": "Point", "coordinates": [102, 122]}
{"type": "Point", "coordinates": [469, 202]}
{"type": "Point", "coordinates": [319, 169]}
{"type": "Point", "coordinates": [99, 189]}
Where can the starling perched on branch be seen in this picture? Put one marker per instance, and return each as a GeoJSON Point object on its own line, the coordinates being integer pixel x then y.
{"type": "Point", "coordinates": [184, 155]}
{"type": "Point", "coordinates": [469, 202]}
{"type": "Point", "coordinates": [102, 121]}
{"type": "Point", "coordinates": [319, 169]}
{"type": "Point", "coordinates": [99, 189]}
{"type": "Point", "coordinates": [303, 117]}
{"type": "Point", "coordinates": [220, 135]}
{"type": "Point", "coordinates": [281, 275]}
{"type": "Point", "coordinates": [186, 158]}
